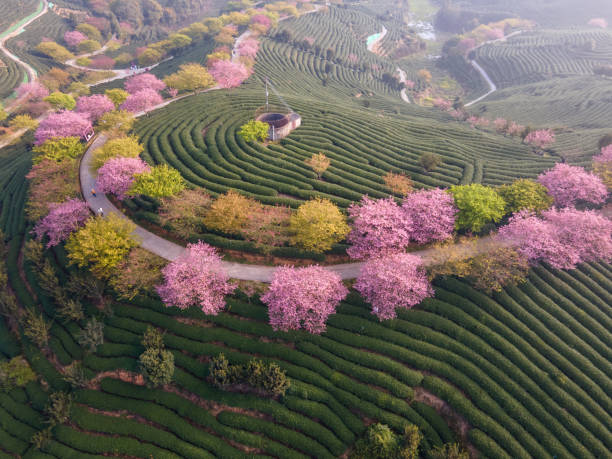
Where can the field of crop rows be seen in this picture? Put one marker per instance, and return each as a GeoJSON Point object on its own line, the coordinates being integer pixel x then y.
{"type": "Point", "coordinates": [50, 26]}
{"type": "Point", "coordinates": [528, 370]}
{"type": "Point", "coordinates": [578, 106]}
{"type": "Point", "coordinates": [540, 55]}
{"type": "Point", "coordinates": [11, 75]}
{"type": "Point", "coordinates": [12, 11]}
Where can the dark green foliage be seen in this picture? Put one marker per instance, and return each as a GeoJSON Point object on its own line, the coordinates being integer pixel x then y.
{"type": "Point", "coordinates": [15, 373]}
{"type": "Point", "coordinates": [157, 366]}
{"type": "Point", "coordinates": [92, 335]}
{"type": "Point", "coordinates": [58, 409]}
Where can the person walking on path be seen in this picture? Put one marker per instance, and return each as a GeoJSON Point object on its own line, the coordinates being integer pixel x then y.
{"type": "Point", "coordinates": [93, 192]}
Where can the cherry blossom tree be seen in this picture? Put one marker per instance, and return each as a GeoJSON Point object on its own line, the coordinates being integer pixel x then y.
{"type": "Point", "coordinates": [391, 282]}
{"type": "Point", "coordinates": [466, 45]}
{"type": "Point", "coordinates": [433, 214]}
{"type": "Point", "coordinates": [562, 238]}
{"type": "Point", "coordinates": [32, 92]}
{"type": "Point", "coordinates": [598, 22]}
{"type": "Point", "coordinates": [74, 37]}
{"type": "Point", "coordinates": [571, 184]}
{"type": "Point", "coordinates": [62, 220]}
{"type": "Point", "coordinates": [196, 278]}
{"type": "Point", "coordinates": [303, 298]}
{"type": "Point", "coordinates": [102, 62]}
{"type": "Point", "coordinates": [141, 101]}
{"type": "Point", "coordinates": [116, 176]}
{"type": "Point", "coordinates": [229, 74]}
{"type": "Point", "coordinates": [248, 47]}
{"type": "Point", "coordinates": [62, 124]}
{"type": "Point", "coordinates": [494, 34]}
{"type": "Point", "coordinates": [261, 19]}
{"type": "Point", "coordinates": [379, 227]}
{"type": "Point", "coordinates": [94, 106]}
{"type": "Point", "coordinates": [144, 81]}
{"type": "Point", "coordinates": [541, 138]}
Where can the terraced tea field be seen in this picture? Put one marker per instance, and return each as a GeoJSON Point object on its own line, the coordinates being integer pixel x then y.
{"type": "Point", "coordinates": [544, 54]}
{"type": "Point", "coordinates": [198, 136]}
{"type": "Point", "coordinates": [13, 11]}
{"type": "Point", "coordinates": [11, 75]}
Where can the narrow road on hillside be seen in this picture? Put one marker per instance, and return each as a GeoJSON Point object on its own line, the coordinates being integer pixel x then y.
{"type": "Point", "coordinates": [483, 73]}
{"type": "Point", "coordinates": [403, 79]}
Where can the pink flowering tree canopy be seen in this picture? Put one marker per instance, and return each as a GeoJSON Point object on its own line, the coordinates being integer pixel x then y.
{"type": "Point", "coordinates": [62, 220]}
{"type": "Point", "coordinates": [432, 213]}
{"type": "Point", "coordinates": [102, 62]}
{"type": "Point", "coordinates": [141, 101]}
{"type": "Point", "coordinates": [261, 19]}
{"type": "Point", "coordinates": [248, 47]}
{"type": "Point", "coordinates": [598, 22]}
{"type": "Point", "coordinates": [31, 92]}
{"type": "Point", "coordinates": [229, 74]}
{"type": "Point", "coordinates": [571, 184]}
{"type": "Point", "coordinates": [62, 124]}
{"type": "Point", "coordinates": [94, 106]}
{"type": "Point", "coordinates": [74, 37]}
{"type": "Point", "coordinates": [196, 278]}
{"type": "Point", "coordinates": [541, 138]}
{"type": "Point", "coordinates": [303, 298]}
{"type": "Point", "coordinates": [391, 282]}
{"type": "Point", "coordinates": [379, 227]}
{"type": "Point", "coordinates": [116, 176]}
{"type": "Point", "coordinates": [144, 81]}
{"type": "Point", "coordinates": [562, 238]}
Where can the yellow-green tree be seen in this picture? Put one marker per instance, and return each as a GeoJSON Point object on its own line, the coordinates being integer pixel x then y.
{"type": "Point", "coordinates": [525, 194]}
{"type": "Point", "coordinates": [3, 114]}
{"type": "Point", "coordinates": [317, 225]}
{"type": "Point", "coordinates": [478, 205]}
{"type": "Point", "coordinates": [161, 181]}
{"type": "Point", "coordinates": [116, 123]}
{"type": "Point", "coordinates": [230, 212]}
{"type": "Point", "coordinates": [190, 77]}
{"type": "Point", "coordinates": [59, 100]}
{"type": "Point", "coordinates": [117, 95]}
{"type": "Point", "coordinates": [24, 122]}
{"type": "Point", "coordinates": [318, 163]}
{"type": "Point", "coordinates": [101, 244]}
{"type": "Point", "coordinates": [127, 147]}
{"type": "Point", "coordinates": [58, 149]}
{"type": "Point", "coordinates": [54, 51]}
{"type": "Point", "coordinates": [254, 131]}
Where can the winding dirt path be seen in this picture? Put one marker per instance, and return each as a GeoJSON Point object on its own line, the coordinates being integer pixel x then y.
{"type": "Point", "coordinates": [483, 73]}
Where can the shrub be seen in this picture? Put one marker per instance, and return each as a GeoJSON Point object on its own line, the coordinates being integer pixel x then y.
{"type": "Point", "coordinates": [157, 366]}
{"type": "Point", "coordinates": [319, 163]}
{"type": "Point", "coordinates": [59, 408]}
{"type": "Point", "coordinates": [92, 335]}
{"type": "Point", "coordinates": [398, 183]}
{"type": "Point", "coordinates": [15, 373]}
{"type": "Point", "coordinates": [430, 161]}
{"type": "Point", "coordinates": [159, 182]}
{"type": "Point", "coordinates": [254, 131]}
{"type": "Point", "coordinates": [35, 327]}
{"type": "Point", "coordinates": [449, 451]}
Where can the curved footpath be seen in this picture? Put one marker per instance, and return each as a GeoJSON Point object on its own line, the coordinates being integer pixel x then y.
{"type": "Point", "coordinates": [483, 73]}
{"type": "Point", "coordinates": [18, 29]}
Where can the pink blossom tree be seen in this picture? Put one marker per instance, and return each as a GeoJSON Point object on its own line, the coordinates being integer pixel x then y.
{"type": "Point", "coordinates": [379, 227]}
{"type": "Point", "coordinates": [494, 34]}
{"type": "Point", "coordinates": [571, 184]}
{"type": "Point", "coordinates": [395, 281]}
{"type": "Point", "coordinates": [465, 45]}
{"type": "Point", "coordinates": [248, 47]}
{"type": "Point", "coordinates": [144, 81]}
{"type": "Point", "coordinates": [196, 278]}
{"type": "Point", "coordinates": [62, 220]}
{"type": "Point", "coordinates": [229, 74]}
{"type": "Point", "coordinates": [74, 37]}
{"type": "Point", "coordinates": [514, 128]}
{"type": "Point", "coordinates": [116, 176]}
{"type": "Point", "coordinates": [303, 298]}
{"type": "Point", "coordinates": [32, 92]}
{"type": "Point", "coordinates": [62, 124]}
{"type": "Point", "coordinates": [562, 238]}
{"type": "Point", "coordinates": [500, 124]}
{"type": "Point", "coordinates": [142, 101]}
{"type": "Point", "coordinates": [261, 19]}
{"type": "Point", "coordinates": [598, 22]}
{"type": "Point", "coordinates": [541, 138]}
{"type": "Point", "coordinates": [94, 106]}
{"type": "Point", "coordinates": [432, 213]}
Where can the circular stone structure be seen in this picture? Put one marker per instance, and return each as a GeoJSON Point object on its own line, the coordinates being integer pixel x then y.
{"type": "Point", "coordinates": [280, 124]}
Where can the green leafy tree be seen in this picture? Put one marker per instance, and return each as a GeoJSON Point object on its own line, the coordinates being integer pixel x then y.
{"type": "Point", "coordinates": [379, 442]}
{"type": "Point", "coordinates": [230, 212]}
{"type": "Point", "coordinates": [59, 149]}
{"type": "Point", "coordinates": [478, 205]}
{"type": "Point", "coordinates": [117, 123]}
{"type": "Point", "coordinates": [88, 46]}
{"type": "Point", "coordinates": [317, 225]}
{"type": "Point", "coordinates": [497, 268]}
{"type": "Point", "coordinates": [117, 95]}
{"type": "Point", "coordinates": [59, 100]}
{"type": "Point", "coordinates": [35, 327]}
{"type": "Point", "coordinates": [74, 374]}
{"type": "Point", "coordinates": [430, 161]}
{"type": "Point", "coordinates": [78, 89]}
{"type": "Point", "coordinates": [254, 131]}
{"type": "Point", "coordinates": [190, 77]}
{"type": "Point", "coordinates": [449, 451]}
{"type": "Point", "coordinates": [92, 335]}
{"type": "Point", "coordinates": [410, 442]}
{"type": "Point", "coordinates": [157, 366]}
{"type": "Point", "coordinates": [15, 373]}
{"type": "Point", "coordinates": [91, 32]}
{"type": "Point", "coordinates": [101, 244]}
{"type": "Point", "coordinates": [54, 51]}
{"type": "Point", "coordinates": [23, 122]}
{"type": "Point", "coordinates": [525, 194]}
{"type": "Point", "coordinates": [58, 408]}
{"type": "Point", "coordinates": [162, 181]}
